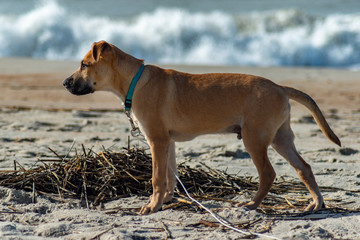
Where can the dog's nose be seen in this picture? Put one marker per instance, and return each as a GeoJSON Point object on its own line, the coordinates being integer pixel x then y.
{"type": "Point", "coordinates": [68, 82]}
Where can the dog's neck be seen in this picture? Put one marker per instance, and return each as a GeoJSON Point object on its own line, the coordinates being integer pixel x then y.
{"type": "Point", "coordinates": [126, 68]}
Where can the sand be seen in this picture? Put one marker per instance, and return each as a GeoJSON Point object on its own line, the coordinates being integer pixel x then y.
{"type": "Point", "coordinates": [36, 113]}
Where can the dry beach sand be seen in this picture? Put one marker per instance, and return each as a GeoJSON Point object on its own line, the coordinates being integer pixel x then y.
{"type": "Point", "coordinates": [36, 113]}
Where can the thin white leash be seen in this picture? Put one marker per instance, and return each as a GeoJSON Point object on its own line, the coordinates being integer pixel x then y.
{"type": "Point", "coordinates": [135, 132]}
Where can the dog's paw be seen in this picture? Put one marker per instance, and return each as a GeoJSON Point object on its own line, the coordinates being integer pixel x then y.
{"type": "Point", "coordinates": [148, 209]}
{"type": "Point", "coordinates": [315, 206]}
{"type": "Point", "coordinates": [145, 210]}
{"type": "Point", "coordinates": [154, 205]}
{"type": "Point", "coordinates": [249, 206]}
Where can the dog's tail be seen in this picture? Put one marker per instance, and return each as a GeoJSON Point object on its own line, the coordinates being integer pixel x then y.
{"type": "Point", "coordinates": [310, 104]}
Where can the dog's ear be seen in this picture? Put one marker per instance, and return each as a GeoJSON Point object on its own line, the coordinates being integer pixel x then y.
{"type": "Point", "coordinates": [99, 48]}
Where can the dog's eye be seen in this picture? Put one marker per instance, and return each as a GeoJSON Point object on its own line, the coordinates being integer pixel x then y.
{"type": "Point", "coordinates": [83, 66]}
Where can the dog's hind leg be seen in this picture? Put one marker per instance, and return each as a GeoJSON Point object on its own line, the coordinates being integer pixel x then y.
{"type": "Point", "coordinates": [172, 170]}
{"type": "Point", "coordinates": [256, 142]}
{"type": "Point", "coordinates": [284, 144]}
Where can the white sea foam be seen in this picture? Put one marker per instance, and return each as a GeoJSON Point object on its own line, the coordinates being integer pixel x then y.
{"type": "Point", "coordinates": [170, 35]}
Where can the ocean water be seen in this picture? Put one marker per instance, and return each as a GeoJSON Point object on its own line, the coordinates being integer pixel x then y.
{"type": "Point", "coordinates": [321, 33]}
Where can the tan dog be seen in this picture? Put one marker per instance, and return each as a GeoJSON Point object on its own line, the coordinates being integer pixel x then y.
{"type": "Point", "coordinates": [174, 106]}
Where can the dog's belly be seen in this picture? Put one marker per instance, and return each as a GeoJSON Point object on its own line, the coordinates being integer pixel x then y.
{"type": "Point", "coordinates": [182, 136]}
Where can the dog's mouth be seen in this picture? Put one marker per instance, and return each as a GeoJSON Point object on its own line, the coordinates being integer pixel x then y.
{"type": "Point", "coordinates": [82, 91]}
{"type": "Point", "coordinates": [77, 88]}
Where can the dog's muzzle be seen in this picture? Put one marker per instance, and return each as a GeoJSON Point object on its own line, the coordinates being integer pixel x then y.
{"type": "Point", "coordinates": [77, 87]}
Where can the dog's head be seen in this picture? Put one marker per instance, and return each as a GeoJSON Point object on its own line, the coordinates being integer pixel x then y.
{"type": "Point", "coordinates": [93, 74]}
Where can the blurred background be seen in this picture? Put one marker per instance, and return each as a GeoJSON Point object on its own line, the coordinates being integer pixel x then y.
{"type": "Point", "coordinates": [321, 33]}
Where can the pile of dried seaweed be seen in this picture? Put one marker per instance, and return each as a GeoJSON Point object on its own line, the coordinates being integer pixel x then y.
{"type": "Point", "coordinates": [97, 177]}
{"type": "Point", "coordinates": [104, 176]}
{"type": "Point", "coordinates": [107, 175]}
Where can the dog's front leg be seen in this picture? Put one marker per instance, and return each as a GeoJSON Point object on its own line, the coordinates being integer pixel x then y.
{"type": "Point", "coordinates": [160, 155]}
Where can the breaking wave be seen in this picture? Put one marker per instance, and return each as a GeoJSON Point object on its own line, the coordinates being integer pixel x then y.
{"type": "Point", "coordinates": [169, 35]}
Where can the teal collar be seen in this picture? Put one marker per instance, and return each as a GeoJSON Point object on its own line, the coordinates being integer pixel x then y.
{"type": "Point", "coordinates": [128, 99]}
